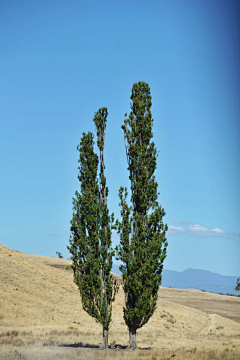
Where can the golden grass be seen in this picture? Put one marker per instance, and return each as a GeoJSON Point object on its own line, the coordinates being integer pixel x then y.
{"type": "Point", "coordinates": [41, 317]}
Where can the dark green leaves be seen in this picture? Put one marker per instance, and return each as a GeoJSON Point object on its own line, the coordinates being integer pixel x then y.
{"type": "Point", "coordinates": [90, 242]}
{"type": "Point", "coordinates": [142, 233]}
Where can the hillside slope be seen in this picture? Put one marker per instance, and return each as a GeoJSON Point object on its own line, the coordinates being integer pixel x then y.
{"type": "Point", "coordinates": [42, 300]}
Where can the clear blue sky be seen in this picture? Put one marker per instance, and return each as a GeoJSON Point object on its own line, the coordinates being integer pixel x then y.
{"type": "Point", "coordinates": [63, 60]}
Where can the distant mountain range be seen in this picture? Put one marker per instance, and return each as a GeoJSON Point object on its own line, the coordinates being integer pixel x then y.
{"type": "Point", "coordinates": [196, 279]}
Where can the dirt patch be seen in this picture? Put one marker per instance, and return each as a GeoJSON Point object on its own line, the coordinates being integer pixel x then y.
{"type": "Point", "coordinates": [223, 305]}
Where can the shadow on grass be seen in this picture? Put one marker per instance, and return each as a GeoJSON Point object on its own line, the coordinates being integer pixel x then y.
{"type": "Point", "coordinates": [80, 345]}
{"type": "Point", "coordinates": [91, 346]}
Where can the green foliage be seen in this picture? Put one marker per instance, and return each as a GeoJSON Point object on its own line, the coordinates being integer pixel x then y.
{"type": "Point", "coordinates": [90, 243]}
{"type": "Point", "coordinates": [238, 284]}
{"type": "Point", "coordinates": [143, 242]}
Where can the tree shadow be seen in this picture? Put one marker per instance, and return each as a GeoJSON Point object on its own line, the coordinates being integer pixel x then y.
{"type": "Point", "coordinates": [80, 345]}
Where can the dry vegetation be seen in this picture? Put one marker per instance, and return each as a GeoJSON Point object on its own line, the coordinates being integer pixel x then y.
{"type": "Point", "coordinates": [41, 318]}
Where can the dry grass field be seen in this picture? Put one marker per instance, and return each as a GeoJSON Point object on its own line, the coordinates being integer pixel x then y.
{"type": "Point", "coordinates": [41, 318]}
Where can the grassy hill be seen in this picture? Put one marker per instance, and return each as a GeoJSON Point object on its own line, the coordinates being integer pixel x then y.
{"type": "Point", "coordinates": [41, 317]}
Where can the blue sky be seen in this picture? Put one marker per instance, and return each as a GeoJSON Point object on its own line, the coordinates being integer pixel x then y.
{"type": "Point", "coordinates": [63, 60]}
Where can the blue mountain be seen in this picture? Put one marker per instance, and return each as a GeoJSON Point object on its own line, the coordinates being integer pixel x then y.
{"type": "Point", "coordinates": [197, 279]}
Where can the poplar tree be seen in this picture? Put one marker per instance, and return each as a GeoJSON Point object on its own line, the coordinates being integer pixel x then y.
{"type": "Point", "coordinates": [91, 225]}
{"type": "Point", "coordinates": [143, 242]}
{"type": "Point", "coordinates": [238, 285]}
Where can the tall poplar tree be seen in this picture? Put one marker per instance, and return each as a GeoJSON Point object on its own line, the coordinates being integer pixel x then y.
{"type": "Point", "coordinates": [143, 242]}
{"type": "Point", "coordinates": [90, 242]}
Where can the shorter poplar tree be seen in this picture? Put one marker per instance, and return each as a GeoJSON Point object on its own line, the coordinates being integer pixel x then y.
{"type": "Point", "coordinates": [91, 225]}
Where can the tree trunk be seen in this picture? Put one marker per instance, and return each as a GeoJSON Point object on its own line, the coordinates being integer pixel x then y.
{"type": "Point", "coordinates": [132, 339]}
{"type": "Point", "coordinates": [104, 344]}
